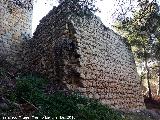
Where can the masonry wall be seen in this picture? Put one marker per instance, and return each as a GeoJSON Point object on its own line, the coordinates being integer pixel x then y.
{"type": "Point", "coordinates": [86, 56]}
{"type": "Point", "coordinates": [15, 26]}
{"type": "Point", "coordinates": [107, 68]}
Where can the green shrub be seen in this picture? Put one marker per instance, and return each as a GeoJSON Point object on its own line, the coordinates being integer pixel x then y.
{"type": "Point", "coordinates": [29, 86]}
{"type": "Point", "coordinates": [60, 104]}
{"type": "Point", "coordinates": [2, 71]}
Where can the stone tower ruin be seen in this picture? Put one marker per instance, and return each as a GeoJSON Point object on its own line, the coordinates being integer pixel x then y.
{"type": "Point", "coordinates": [15, 26]}
{"type": "Point", "coordinates": [86, 56]}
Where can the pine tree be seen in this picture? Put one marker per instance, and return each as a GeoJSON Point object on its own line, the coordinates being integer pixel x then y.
{"type": "Point", "coordinates": [142, 31]}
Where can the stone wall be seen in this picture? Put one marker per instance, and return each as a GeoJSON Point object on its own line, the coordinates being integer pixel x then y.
{"type": "Point", "coordinates": [15, 26]}
{"type": "Point", "coordinates": [85, 55]}
{"type": "Point", "coordinates": [107, 69]}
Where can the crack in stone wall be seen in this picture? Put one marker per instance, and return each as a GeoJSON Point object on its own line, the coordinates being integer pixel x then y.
{"type": "Point", "coordinates": [86, 56]}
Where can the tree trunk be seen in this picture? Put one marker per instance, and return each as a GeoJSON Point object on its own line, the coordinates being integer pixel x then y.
{"type": "Point", "coordinates": [148, 77]}
{"type": "Point", "coordinates": [158, 91]}
{"type": "Point", "coordinates": [141, 79]}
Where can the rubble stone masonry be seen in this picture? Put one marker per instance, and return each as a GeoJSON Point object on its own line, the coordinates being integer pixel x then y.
{"type": "Point", "coordinates": [15, 26]}
{"type": "Point", "coordinates": [87, 56]}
